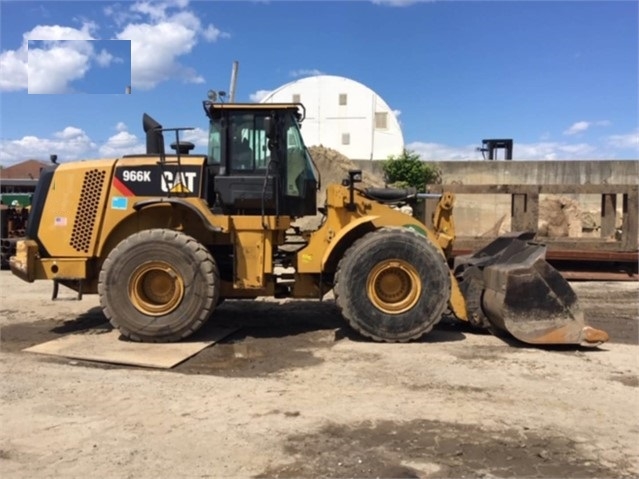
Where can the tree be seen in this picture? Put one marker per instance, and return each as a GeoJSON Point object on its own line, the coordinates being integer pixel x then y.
{"type": "Point", "coordinates": [408, 169]}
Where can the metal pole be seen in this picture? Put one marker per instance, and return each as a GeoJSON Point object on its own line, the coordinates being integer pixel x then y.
{"type": "Point", "coordinates": [233, 81]}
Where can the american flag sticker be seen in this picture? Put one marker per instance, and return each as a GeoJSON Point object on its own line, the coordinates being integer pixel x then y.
{"type": "Point", "coordinates": [119, 203]}
{"type": "Point", "coordinates": [60, 221]}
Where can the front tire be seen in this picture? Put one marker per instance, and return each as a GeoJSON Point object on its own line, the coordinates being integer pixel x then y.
{"type": "Point", "coordinates": [158, 285]}
{"type": "Point", "coordinates": [392, 285]}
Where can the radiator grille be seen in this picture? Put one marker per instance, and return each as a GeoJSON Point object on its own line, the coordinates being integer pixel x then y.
{"type": "Point", "coordinates": [84, 222]}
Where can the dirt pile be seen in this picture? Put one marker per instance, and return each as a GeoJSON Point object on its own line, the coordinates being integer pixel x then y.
{"type": "Point", "coordinates": [559, 216]}
{"type": "Point", "coordinates": [333, 168]}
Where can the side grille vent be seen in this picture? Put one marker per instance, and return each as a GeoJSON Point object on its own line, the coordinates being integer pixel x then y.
{"type": "Point", "coordinates": [84, 222]}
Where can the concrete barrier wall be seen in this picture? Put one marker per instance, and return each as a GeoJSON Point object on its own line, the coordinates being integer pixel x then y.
{"type": "Point", "coordinates": [518, 172]}
{"type": "Point", "coordinates": [622, 172]}
{"type": "Point", "coordinates": [479, 214]}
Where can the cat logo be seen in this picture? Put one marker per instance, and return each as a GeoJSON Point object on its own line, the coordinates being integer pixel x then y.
{"type": "Point", "coordinates": [179, 182]}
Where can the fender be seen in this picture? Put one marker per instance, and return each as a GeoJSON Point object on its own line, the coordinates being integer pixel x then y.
{"type": "Point", "coordinates": [343, 232]}
{"type": "Point", "coordinates": [376, 222]}
{"type": "Point", "coordinates": [181, 202]}
{"type": "Point", "coordinates": [126, 223]}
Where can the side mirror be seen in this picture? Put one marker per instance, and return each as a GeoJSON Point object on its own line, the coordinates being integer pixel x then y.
{"type": "Point", "coordinates": [269, 126]}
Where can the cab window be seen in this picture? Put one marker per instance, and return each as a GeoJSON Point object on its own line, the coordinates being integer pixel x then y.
{"type": "Point", "coordinates": [247, 143]}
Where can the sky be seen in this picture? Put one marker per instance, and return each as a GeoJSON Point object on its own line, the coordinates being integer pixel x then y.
{"type": "Point", "coordinates": [560, 78]}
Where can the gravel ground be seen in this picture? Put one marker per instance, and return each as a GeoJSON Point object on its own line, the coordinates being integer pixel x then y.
{"type": "Point", "coordinates": [296, 394]}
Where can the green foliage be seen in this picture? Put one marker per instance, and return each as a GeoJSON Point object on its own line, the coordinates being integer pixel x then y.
{"type": "Point", "coordinates": [408, 169]}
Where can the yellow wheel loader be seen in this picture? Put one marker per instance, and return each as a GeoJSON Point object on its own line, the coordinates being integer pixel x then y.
{"type": "Point", "coordinates": [164, 238]}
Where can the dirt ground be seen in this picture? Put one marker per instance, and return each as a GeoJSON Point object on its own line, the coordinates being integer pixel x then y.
{"type": "Point", "coordinates": [296, 394]}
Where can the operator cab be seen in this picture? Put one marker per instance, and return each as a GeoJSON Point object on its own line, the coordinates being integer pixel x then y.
{"type": "Point", "coordinates": [257, 162]}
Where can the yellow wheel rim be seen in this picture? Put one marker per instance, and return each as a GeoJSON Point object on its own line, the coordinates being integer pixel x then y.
{"type": "Point", "coordinates": [394, 286]}
{"type": "Point", "coordinates": [155, 288]}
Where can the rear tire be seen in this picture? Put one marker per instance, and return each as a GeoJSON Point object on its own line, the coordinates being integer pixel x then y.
{"type": "Point", "coordinates": [158, 285]}
{"type": "Point", "coordinates": [392, 285]}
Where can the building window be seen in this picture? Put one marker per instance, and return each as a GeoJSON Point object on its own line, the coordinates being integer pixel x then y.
{"type": "Point", "coordinates": [346, 138]}
{"type": "Point", "coordinates": [381, 120]}
{"type": "Point", "coordinates": [297, 98]}
{"type": "Point", "coordinates": [343, 99]}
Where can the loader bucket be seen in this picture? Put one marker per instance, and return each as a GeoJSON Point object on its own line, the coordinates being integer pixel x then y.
{"type": "Point", "coordinates": [526, 297]}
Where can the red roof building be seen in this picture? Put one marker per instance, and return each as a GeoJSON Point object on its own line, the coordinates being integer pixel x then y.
{"type": "Point", "coordinates": [27, 170]}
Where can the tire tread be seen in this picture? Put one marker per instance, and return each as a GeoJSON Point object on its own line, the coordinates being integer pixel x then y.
{"type": "Point", "coordinates": [197, 250]}
{"type": "Point", "coordinates": [341, 281]}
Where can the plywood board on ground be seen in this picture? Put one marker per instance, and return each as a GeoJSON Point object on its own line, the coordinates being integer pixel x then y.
{"type": "Point", "coordinates": [105, 345]}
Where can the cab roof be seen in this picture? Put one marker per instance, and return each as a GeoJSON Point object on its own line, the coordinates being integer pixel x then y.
{"type": "Point", "coordinates": [254, 106]}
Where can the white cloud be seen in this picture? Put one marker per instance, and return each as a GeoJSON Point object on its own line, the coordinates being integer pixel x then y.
{"type": "Point", "coordinates": [521, 151]}
{"type": "Point", "coordinates": [157, 9]}
{"type": "Point", "coordinates": [437, 151]}
{"type": "Point", "coordinates": [160, 33]}
{"type": "Point", "coordinates": [556, 151]}
{"type": "Point", "coordinates": [628, 140]}
{"type": "Point", "coordinates": [71, 143]}
{"type": "Point", "coordinates": [157, 45]}
{"type": "Point", "coordinates": [58, 32]}
{"type": "Point", "coordinates": [122, 143]}
{"type": "Point", "coordinates": [212, 34]}
{"type": "Point", "coordinates": [306, 72]}
{"type": "Point", "coordinates": [154, 49]}
{"type": "Point", "coordinates": [197, 136]}
{"type": "Point", "coordinates": [581, 126]}
{"type": "Point", "coordinates": [71, 133]}
{"type": "Point", "coordinates": [13, 69]}
{"type": "Point", "coordinates": [17, 73]}
{"type": "Point", "coordinates": [578, 127]}
{"type": "Point", "coordinates": [126, 143]}
{"type": "Point", "coordinates": [259, 95]}
{"type": "Point", "coordinates": [104, 59]}
{"type": "Point", "coordinates": [120, 15]}
{"type": "Point", "coordinates": [578, 150]}
{"type": "Point", "coordinates": [51, 70]}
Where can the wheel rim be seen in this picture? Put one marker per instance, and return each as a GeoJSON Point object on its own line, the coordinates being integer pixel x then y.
{"type": "Point", "coordinates": [155, 288]}
{"type": "Point", "coordinates": [394, 286]}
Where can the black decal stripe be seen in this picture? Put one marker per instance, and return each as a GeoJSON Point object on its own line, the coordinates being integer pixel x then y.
{"type": "Point", "coordinates": [37, 207]}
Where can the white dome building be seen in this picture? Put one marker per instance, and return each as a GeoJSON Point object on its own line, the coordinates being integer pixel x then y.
{"type": "Point", "coordinates": [344, 115]}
